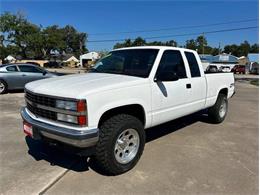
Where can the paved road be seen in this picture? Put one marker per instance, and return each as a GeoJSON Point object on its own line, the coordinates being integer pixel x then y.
{"type": "Point", "coordinates": [186, 156]}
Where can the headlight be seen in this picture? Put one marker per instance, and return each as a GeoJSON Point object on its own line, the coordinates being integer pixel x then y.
{"type": "Point", "coordinates": [77, 114]}
{"type": "Point", "coordinates": [67, 105]}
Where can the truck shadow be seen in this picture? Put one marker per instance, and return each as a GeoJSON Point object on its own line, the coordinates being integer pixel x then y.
{"type": "Point", "coordinates": [56, 156]}
{"type": "Point", "coordinates": [16, 91]}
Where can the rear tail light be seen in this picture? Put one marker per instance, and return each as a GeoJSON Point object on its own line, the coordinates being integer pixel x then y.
{"type": "Point", "coordinates": [81, 106]}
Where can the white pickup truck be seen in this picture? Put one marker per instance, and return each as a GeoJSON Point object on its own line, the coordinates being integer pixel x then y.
{"type": "Point", "coordinates": [127, 91]}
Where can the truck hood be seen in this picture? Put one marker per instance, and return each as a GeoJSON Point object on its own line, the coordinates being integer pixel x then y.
{"type": "Point", "coordinates": [81, 85]}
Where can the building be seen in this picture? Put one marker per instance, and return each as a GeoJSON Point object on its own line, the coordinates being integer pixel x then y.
{"type": "Point", "coordinates": [224, 60]}
{"type": "Point", "coordinates": [70, 61]}
{"type": "Point", "coordinates": [243, 60]}
{"type": "Point", "coordinates": [10, 59]}
{"type": "Point", "coordinates": [86, 60]}
{"type": "Point", "coordinates": [221, 60]}
{"type": "Point", "coordinates": [36, 62]}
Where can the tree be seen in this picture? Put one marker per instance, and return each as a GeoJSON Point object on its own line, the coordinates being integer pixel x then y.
{"type": "Point", "coordinates": [191, 44]}
{"type": "Point", "coordinates": [201, 43]}
{"type": "Point", "coordinates": [31, 41]}
{"type": "Point", "coordinates": [74, 41]}
{"type": "Point", "coordinates": [171, 43]}
{"type": "Point", "coordinates": [241, 50]}
{"type": "Point", "coordinates": [139, 42]}
{"type": "Point", "coordinates": [244, 49]}
{"type": "Point", "coordinates": [20, 33]}
{"type": "Point", "coordinates": [215, 51]}
{"type": "Point", "coordinates": [254, 48]}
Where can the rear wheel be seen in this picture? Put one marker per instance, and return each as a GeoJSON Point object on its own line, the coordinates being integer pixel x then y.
{"type": "Point", "coordinates": [218, 112]}
{"type": "Point", "coordinates": [3, 87]}
{"type": "Point", "coordinates": [120, 145]}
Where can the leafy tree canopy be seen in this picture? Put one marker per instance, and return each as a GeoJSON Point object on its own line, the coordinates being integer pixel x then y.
{"type": "Point", "coordinates": [19, 37]}
{"type": "Point", "coordinates": [199, 44]}
{"type": "Point", "coordinates": [139, 41]}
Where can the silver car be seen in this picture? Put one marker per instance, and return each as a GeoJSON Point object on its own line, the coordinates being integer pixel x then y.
{"type": "Point", "coordinates": [15, 76]}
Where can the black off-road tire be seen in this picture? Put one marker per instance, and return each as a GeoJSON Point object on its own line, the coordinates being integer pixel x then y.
{"type": "Point", "coordinates": [5, 86]}
{"type": "Point", "coordinates": [104, 156]}
{"type": "Point", "coordinates": [214, 111]}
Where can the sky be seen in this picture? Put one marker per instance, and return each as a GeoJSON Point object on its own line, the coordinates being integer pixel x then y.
{"type": "Point", "coordinates": [113, 17]}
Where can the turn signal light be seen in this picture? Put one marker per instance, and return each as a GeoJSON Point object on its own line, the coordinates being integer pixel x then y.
{"type": "Point", "coordinates": [82, 120]}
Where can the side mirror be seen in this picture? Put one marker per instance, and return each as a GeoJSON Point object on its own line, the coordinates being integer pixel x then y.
{"type": "Point", "coordinates": [166, 76]}
{"type": "Point", "coordinates": [44, 72]}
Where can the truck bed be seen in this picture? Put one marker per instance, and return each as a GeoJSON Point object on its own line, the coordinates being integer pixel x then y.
{"type": "Point", "coordinates": [217, 81]}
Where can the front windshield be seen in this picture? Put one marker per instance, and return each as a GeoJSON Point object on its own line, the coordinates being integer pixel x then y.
{"type": "Point", "coordinates": [133, 62]}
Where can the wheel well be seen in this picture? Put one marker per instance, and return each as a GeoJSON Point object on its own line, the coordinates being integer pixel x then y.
{"type": "Point", "coordinates": [224, 91]}
{"type": "Point", "coordinates": [133, 109]}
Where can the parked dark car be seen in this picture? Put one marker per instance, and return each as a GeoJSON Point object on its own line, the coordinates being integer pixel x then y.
{"type": "Point", "coordinates": [241, 69]}
{"type": "Point", "coordinates": [15, 76]}
{"type": "Point", "coordinates": [254, 68]}
{"type": "Point", "coordinates": [52, 64]}
{"type": "Point", "coordinates": [224, 69]}
{"type": "Point", "coordinates": [211, 69]}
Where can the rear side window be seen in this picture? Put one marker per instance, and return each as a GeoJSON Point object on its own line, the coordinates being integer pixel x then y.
{"type": "Point", "coordinates": [25, 68]}
{"type": "Point", "coordinates": [193, 64]}
{"type": "Point", "coordinates": [172, 61]}
{"type": "Point", "coordinates": [11, 69]}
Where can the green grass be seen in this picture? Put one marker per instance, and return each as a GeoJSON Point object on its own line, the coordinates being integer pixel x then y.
{"type": "Point", "coordinates": [255, 82]}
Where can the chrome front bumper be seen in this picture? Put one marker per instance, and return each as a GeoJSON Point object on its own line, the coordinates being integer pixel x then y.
{"type": "Point", "coordinates": [81, 139]}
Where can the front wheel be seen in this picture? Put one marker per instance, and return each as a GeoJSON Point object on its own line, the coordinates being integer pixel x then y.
{"type": "Point", "coordinates": [3, 87]}
{"type": "Point", "coordinates": [218, 112]}
{"type": "Point", "coordinates": [120, 145]}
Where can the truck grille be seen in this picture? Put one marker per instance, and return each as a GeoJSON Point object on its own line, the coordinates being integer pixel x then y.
{"type": "Point", "coordinates": [38, 99]}
{"type": "Point", "coordinates": [32, 100]}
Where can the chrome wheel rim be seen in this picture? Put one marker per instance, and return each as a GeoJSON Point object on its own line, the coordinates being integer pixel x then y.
{"type": "Point", "coordinates": [2, 87]}
{"type": "Point", "coordinates": [127, 145]}
{"type": "Point", "coordinates": [223, 109]}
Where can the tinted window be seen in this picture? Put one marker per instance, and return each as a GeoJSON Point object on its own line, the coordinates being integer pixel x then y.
{"type": "Point", "coordinates": [133, 62]}
{"type": "Point", "coordinates": [25, 68]}
{"type": "Point", "coordinates": [172, 61]}
{"type": "Point", "coordinates": [11, 69]}
{"type": "Point", "coordinates": [193, 64]}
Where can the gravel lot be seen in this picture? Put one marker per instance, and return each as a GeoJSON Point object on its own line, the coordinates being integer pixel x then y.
{"type": "Point", "coordinates": [185, 156]}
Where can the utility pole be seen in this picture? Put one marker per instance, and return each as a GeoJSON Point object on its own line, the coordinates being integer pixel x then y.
{"type": "Point", "coordinates": [203, 43]}
{"type": "Point", "coordinates": [219, 48]}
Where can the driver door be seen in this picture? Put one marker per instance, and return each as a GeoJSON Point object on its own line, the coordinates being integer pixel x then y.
{"type": "Point", "coordinates": [170, 98]}
{"type": "Point", "coordinates": [29, 73]}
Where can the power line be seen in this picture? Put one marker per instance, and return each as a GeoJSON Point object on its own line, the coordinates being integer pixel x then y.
{"type": "Point", "coordinates": [179, 35]}
{"type": "Point", "coordinates": [175, 28]}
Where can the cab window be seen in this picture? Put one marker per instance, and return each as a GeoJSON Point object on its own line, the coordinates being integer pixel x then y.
{"type": "Point", "coordinates": [172, 61]}
{"type": "Point", "coordinates": [24, 68]}
{"type": "Point", "coordinates": [193, 64]}
{"type": "Point", "coordinates": [11, 69]}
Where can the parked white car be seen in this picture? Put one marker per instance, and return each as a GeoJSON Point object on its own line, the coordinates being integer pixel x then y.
{"type": "Point", "coordinates": [131, 89]}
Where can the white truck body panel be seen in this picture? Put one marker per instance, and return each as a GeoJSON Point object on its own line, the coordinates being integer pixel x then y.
{"type": "Point", "coordinates": [161, 101]}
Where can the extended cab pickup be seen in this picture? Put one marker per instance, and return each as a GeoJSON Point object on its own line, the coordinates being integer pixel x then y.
{"type": "Point", "coordinates": [127, 91]}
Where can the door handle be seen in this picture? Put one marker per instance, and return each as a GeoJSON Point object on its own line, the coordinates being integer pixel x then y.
{"type": "Point", "coordinates": [188, 86]}
{"type": "Point", "coordinates": [23, 75]}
